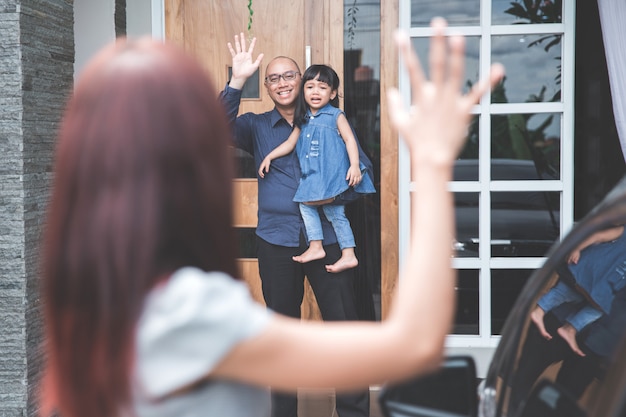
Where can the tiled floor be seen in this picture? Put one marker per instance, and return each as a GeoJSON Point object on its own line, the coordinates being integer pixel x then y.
{"type": "Point", "coordinates": [321, 403]}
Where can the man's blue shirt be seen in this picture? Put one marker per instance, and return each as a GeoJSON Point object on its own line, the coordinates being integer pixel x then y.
{"type": "Point", "coordinates": [279, 220]}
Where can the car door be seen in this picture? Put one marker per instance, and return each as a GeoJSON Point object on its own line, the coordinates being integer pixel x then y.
{"type": "Point", "coordinates": [526, 361]}
{"type": "Point", "coordinates": [535, 371]}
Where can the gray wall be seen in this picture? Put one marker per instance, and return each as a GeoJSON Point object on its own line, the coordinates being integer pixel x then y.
{"type": "Point", "coordinates": [36, 75]}
{"type": "Point", "coordinates": [37, 60]}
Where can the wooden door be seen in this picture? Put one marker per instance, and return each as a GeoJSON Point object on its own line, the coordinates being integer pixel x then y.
{"type": "Point", "coordinates": [299, 29]}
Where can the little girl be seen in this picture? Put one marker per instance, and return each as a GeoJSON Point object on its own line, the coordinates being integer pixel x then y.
{"type": "Point", "coordinates": [598, 268]}
{"type": "Point", "coordinates": [329, 163]}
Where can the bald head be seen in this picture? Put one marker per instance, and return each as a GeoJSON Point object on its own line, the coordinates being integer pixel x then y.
{"type": "Point", "coordinates": [281, 60]}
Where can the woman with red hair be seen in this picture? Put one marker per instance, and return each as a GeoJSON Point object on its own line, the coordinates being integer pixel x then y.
{"type": "Point", "coordinates": [144, 315]}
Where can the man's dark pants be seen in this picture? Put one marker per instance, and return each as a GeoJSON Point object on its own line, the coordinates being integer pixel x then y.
{"type": "Point", "coordinates": [283, 289]}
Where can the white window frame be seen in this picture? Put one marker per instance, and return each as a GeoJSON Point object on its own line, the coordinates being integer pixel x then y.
{"type": "Point", "coordinates": [484, 342]}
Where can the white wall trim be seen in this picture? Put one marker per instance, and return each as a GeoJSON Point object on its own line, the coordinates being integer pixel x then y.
{"type": "Point", "coordinates": [158, 19]}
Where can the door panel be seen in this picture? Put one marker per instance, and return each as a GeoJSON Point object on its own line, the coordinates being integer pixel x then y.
{"type": "Point", "coordinates": [204, 28]}
{"type": "Point", "coordinates": [245, 191]}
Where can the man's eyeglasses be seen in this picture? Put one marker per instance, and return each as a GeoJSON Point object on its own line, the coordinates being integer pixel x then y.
{"type": "Point", "coordinates": [287, 76]}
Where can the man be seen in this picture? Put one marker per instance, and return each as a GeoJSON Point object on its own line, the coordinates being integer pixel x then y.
{"type": "Point", "coordinates": [280, 228]}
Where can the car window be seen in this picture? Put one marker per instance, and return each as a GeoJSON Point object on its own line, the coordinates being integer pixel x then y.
{"type": "Point", "coordinates": [569, 323]}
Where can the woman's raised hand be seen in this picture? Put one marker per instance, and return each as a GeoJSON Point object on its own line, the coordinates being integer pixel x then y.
{"type": "Point", "coordinates": [435, 125]}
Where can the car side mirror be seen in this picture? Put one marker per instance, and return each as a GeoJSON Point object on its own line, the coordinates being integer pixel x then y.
{"type": "Point", "coordinates": [549, 400]}
{"type": "Point", "coordinates": [449, 392]}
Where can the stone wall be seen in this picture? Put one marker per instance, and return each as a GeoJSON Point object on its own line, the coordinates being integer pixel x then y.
{"type": "Point", "coordinates": [36, 76]}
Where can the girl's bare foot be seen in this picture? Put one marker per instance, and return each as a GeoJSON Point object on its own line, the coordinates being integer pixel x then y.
{"type": "Point", "coordinates": [568, 332]}
{"type": "Point", "coordinates": [537, 317]}
{"type": "Point", "coordinates": [343, 263]}
{"type": "Point", "coordinates": [313, 253]}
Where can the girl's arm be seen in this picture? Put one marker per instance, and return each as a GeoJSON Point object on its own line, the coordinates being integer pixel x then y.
{"type": "Point", "coordinates": [346, 355]}
{"type": "Point", "coordinates": [607, 235]}
{"type": "Point", "coordinates": [283, 149]}
{"type": "Point", "coordinates": [354, 172]}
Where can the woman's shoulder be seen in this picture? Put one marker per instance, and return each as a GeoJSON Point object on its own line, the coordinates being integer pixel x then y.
{"type": "Point", "coordinates": [191, 282]}
{"type": "Point", "coordinates": [188, 323]}
{"type": "Point", "coordinates": [192, 298]}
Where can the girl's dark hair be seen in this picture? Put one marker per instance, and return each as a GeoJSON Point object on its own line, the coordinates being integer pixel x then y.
{"type": "Point", "coordinates": [323, 73]}
{"type": "Point", "coordinates": [142, 187]}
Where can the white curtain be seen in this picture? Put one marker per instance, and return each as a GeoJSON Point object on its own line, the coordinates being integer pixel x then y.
{"type": "Point", "coordinates": [613, 22]}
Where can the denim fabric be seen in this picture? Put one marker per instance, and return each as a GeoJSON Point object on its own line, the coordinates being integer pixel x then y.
{"type": "Point", "coordinates": [559, 294]}
{"type": "Point", "coordinates": [312, 222]}
{"type": "Point", "coordinates": [601, 271]}
{"type": "Point", "coordinates": [324, 160]}
{"type": "Point", "coordinates": [562, 293]}
{"type": "Point", "coordinates": [586, 315]}
{"type": "Point", "coordinates": [336, 214]}
{"type": "Point", "coordinates": [279, 219]}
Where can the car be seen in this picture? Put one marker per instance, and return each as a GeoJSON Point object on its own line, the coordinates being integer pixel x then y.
{"type": "Point", "coordinates": [523, 223]}
{"type": "Point", "coordinates": [529, 375]}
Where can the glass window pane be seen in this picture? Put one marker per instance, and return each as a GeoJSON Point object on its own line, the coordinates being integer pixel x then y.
{"type": "Point", "coordinates": [533, 68]}
{"type": "Point", "coordinates": [526, 146]}
{"type": "Point", "coordinates": [252, 87]}
{"type": "Point", "coordinates": [507, 12]}
{"type": "Point", "coordinates": [466, 320]}
{"type": "Point", "coordinates": [456, 12]}
{"type": "Point", "coordinates": [361, 99]}
{"type": "Point", "coordinates": [506, 285]}
{"type": "Point", "coordinates": [466, 213]}
{"type": "Point", "coordinates": [524, 223]}
{"type": "Point", "coordinates": [466, 166]}
{"type": "Point", "coordinates": [472, 55]}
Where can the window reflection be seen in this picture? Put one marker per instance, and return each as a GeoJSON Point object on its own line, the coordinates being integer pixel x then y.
{"type": "Point", "coordinates": [508, 12]}
{"type": "Point", "coordinates": [526, 146]}
{"type": "Point", "coordinates": [466, 217]}
{"type": "Point", "coordinates": [472, 55]}
{"type": "Point", "coordinates": [533, 64]}
{"type": "Point", "coordinates": [466, 320]}
{"type": "Point", "coordinates": [553, 357]}
{"type": "Point", "coordinates": [456, 12]}
{"type": "Point", "coordinates": [361, 99]}
{"type": "Point", "coordinates": [466, 166]}
{"type": "Point", "coordinates": [524, 223]}
{"type": "Point", "coordinates": [506, 285]}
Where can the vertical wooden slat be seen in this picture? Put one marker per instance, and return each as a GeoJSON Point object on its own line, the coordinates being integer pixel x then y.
{"type": "Point", "coordinates": [388, 156]}
{"type": "Point", "coordinates": [174, 17]}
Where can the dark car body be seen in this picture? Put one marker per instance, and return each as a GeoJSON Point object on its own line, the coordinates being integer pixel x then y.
{"type": "Point", "coordinates": [529, 375]}
{"type": "Point", "coordinates": [523, 223]}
